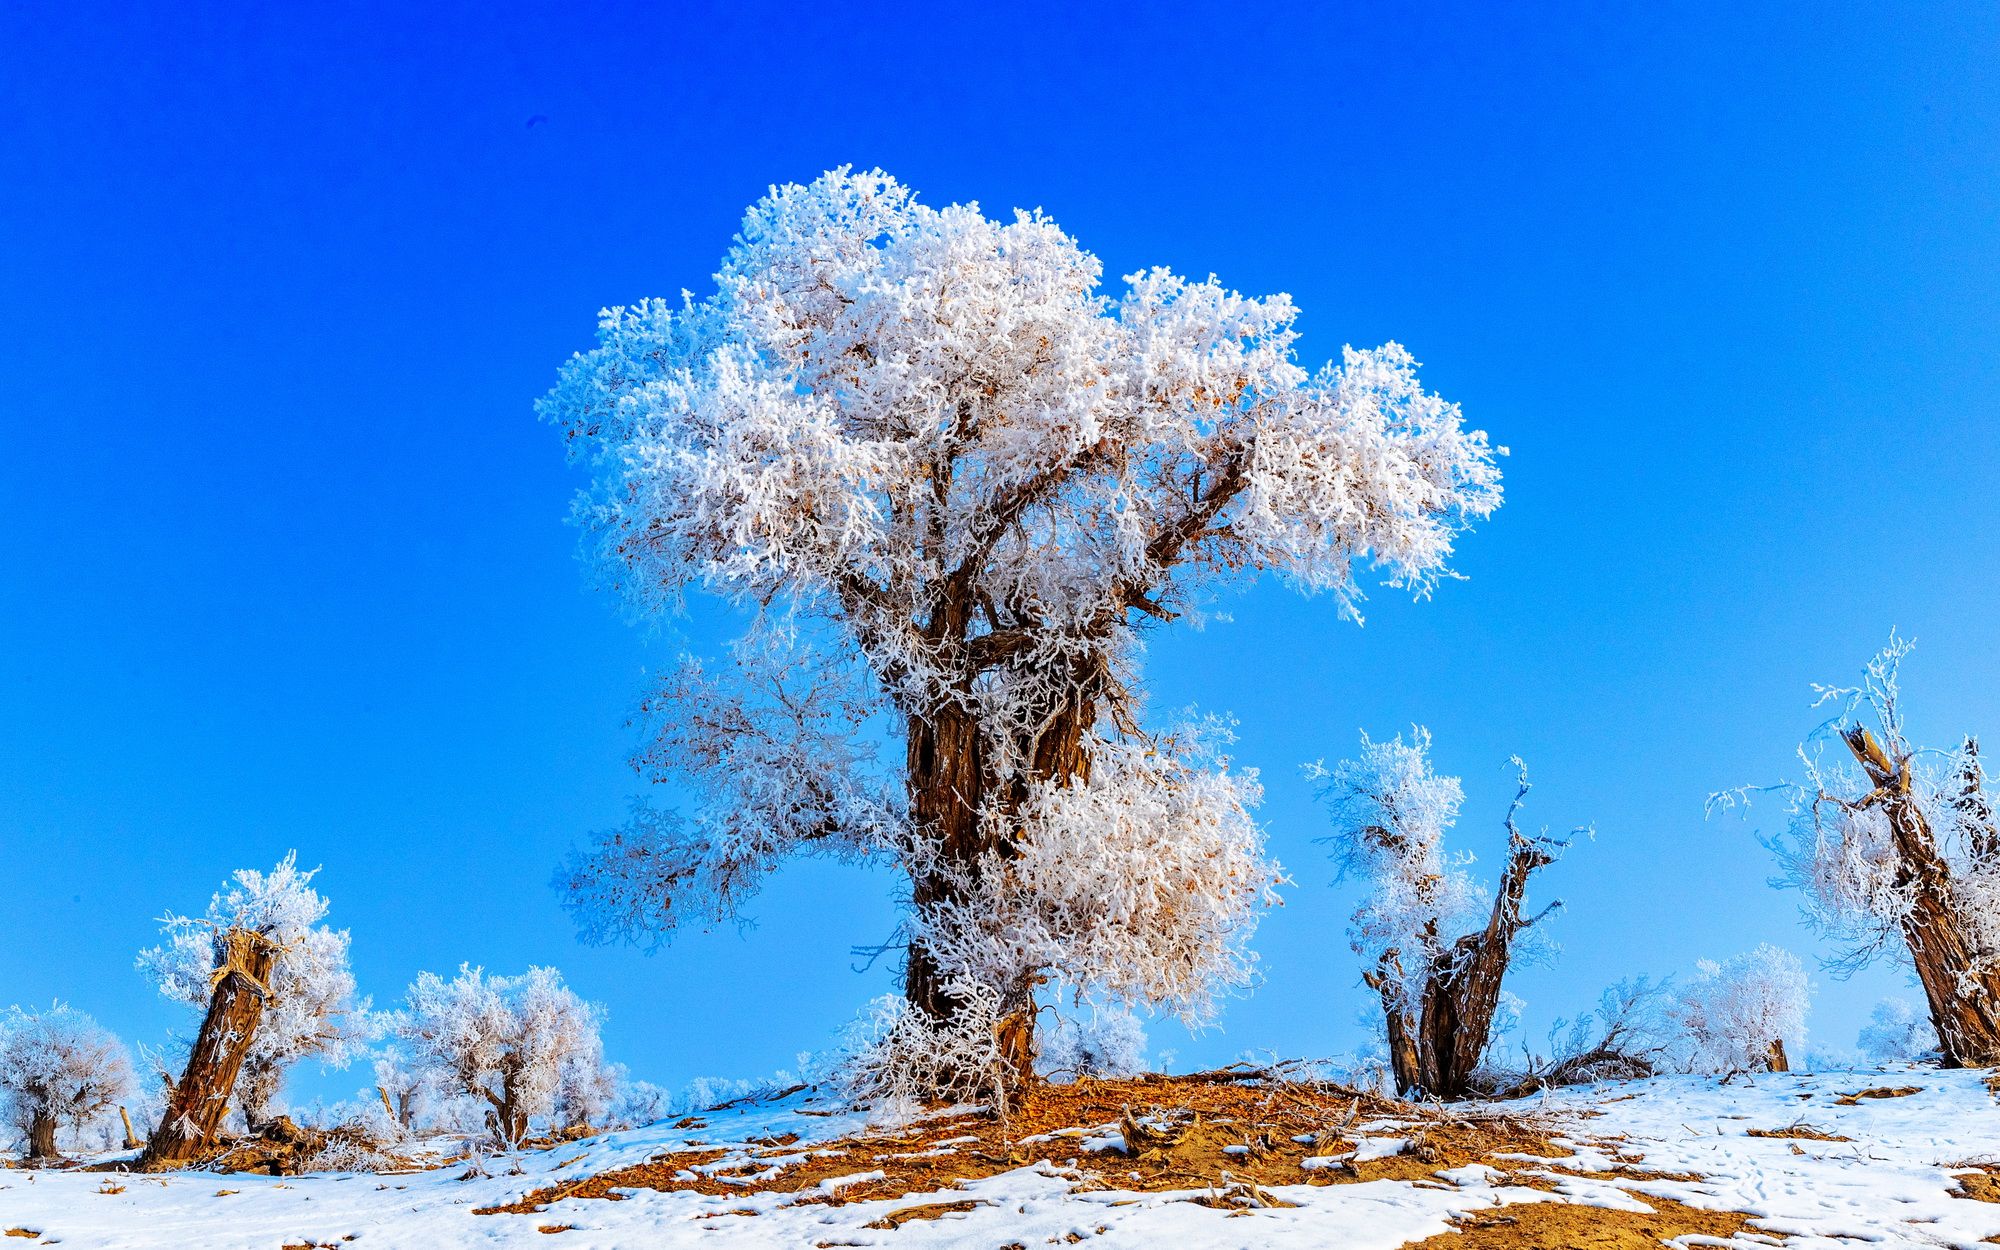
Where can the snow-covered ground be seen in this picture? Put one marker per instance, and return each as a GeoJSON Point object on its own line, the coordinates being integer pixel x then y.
{"type": "Point", "coordinates": [1890, 1187]}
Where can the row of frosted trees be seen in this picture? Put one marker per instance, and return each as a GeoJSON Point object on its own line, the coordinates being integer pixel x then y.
{"type": "Point", "coordinates": [268, 986]}
{"type": "Point", "coordinates": [947, 485]}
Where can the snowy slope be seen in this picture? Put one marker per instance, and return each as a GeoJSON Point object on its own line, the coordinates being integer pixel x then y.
{"type": "Point", "coordinates": [1889, 1188]}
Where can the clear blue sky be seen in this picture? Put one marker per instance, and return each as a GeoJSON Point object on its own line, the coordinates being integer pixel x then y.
{"type": "Point", "coordinates": [284, 562]}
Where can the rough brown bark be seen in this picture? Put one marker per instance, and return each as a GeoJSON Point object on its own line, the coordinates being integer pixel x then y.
{"type": "Point", "coordinates": [949, 767]}
{"type": "Point", "coordinates": [507, 1120]}
{"type": "Point", "coordinates": [1776, 1059]}
{"type": "Point", "coordinates": [196, 1105]}
{"type": "Point", "coordinates": [950, 781]}
{"type": "Point", "coordinates": [1968, 1023]}
{"type": "Point", "coordinates": [42, 1136]}
{"type": "Point", "coordinates": [1387, 981]}
{"type": "Point", "coordinates": [1464, 989]}
{"type": "Point", "coordinates": [1976, 808]}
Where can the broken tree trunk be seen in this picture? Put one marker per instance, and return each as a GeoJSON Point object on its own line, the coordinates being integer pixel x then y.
{"type": "Point", "coordinates": [1777, 1060]}
{"type": "Point", "coordinates": [1964, 996]}
{"type": "Point", "coordinates": [194, 1111]}
{"type": "Point", "coordinates": [132, 1141]}
{"type": "Point", "coordinates": [1464, 987]}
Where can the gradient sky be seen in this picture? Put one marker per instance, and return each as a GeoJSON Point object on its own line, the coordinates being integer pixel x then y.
{"type": "Point", "coordinates": [285, 563]}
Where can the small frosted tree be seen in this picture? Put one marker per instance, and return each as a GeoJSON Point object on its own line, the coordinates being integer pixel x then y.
{"type": "Point", "coordinates": [517, 1044]}
{"type": "Point", "coordinates": [305, 1005]}
{"type": "Point", "coordinates": [949, 482]}
{"type": "Point", "coordinates": [1109, 1042]}
{"type": "Point", "coordinates": [410, 1091]}
{"type": "Point", "coordinates": [1895, 1033]}
{"type": "Point", "coordinates": [57, 1067]}
{"type": "Point", "coordinates": [1896, 852]}
{"type": "Point", "coordinates": [1738, 1015]}
{"type": "Point", "coordinates": [1438, 983]}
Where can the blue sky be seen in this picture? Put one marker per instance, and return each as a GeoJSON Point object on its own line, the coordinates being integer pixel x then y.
{"type": "Point", "coordinates": [284, 562]}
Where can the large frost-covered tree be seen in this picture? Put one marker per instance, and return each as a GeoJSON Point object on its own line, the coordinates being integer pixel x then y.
{"type": "Point", "coordinates": [525, 1045]}
{"type": "Point", "coordinates": [947, 481]}
{"type": "Point", "coordinates": [1896, 851]}
{"type": "Point", "coordinates": [281, 981]}
{"type": "Point", "coordinates": [58, 1066]}
{"type": "Point", "coordinates": [1428, 953]}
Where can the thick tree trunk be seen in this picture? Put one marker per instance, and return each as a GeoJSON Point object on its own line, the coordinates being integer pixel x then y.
{"type": "Point", "coordinates": [950, 780]}
{"type": "Point", "coordinates": [196, 1106]}
{"type": "Point", "coordinates": [1464, 987]}
{"type": "Point", "coordinates": [42, 1136]}
{"type": "Point", "coordinates": [1964, 997]}
{"type": "Point", "coordinates": [132, 1141]}
{"type": "Point", "coordinates": [1776, 1057]}
{"type": "Point", "coordinates": [510, 1123]}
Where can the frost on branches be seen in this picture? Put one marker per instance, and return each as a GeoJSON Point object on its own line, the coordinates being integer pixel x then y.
{"type": "Point", "coordinates": [308, 1009]}
{"type": "Point", "coordinates": [1738, 1015]}
{"type": "Point", "coordinates": [1897, 848]}
{"type": "Point", "coordinates": [1108, 1043]}
{"type": "Point", "coordinates": [274, 988]}
{"type": "Point", "coordinates": [57, 1067]}
{"type": "Point", "coordinates": [1895, 1033]}
{"type": "Point", "coordinates": [1439, 984]}
{"type": "Point", "coordinates": [948, 482]}
{"type": "Point", "coordinates": [525, 1046]}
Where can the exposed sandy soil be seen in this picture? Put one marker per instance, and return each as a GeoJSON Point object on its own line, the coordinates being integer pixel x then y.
{"type": "Point", "coordinates": [1559, 1226]}
{"type": "Point", "coordinates": [1179, 1132]}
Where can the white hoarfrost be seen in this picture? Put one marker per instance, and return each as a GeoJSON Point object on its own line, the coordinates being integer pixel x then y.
{"type": "Point", "coordinates": [946, 480]}
{"type": "Point", "coordinates": [1840, 851]}
{"type": "Point", "coordinates": [525, 1046]}
{"type": "Point", "coordinates": [1141, 881]}
{"type": "Point", "coordinates": [1896, 1032]}
{"type": "Point", "coordinates": [1390, 811]}
{"type": "Point", "coordinates": [58, 1069]}
{"type": "Point", "coordinates": [309, 1012]}
{"type": "Point", "coordinates": [1109, 1042]}
{"type": "Point", "coordinates": [1730, 1014]}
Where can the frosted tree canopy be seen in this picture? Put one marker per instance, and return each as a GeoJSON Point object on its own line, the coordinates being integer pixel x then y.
{"type": "Point", "coordinates": [947, 479]}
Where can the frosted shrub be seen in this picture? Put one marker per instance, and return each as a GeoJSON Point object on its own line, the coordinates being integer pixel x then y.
{"type": "Point", "coordinates": [586, 1087]}
{"type": "Point", "coordinates": [1740, 1015]}
{"type": "Point", "coordinates": [1110, 1042]}
{"type": "Point", "coordinates": [58, 1067]}
{"type": "Point", "coordinates": [519, 1044]}
{"type": "Point", "coordinates": [639, 1103]}
{"type": "Point", "coordinates": [949, 483]}
{"type": "Point", "coordinates": [897, 1057]}
{"type": "Point", "coordinates": [308, 1011]}
{"type": "Point", "coordinates": [1895, 1033]}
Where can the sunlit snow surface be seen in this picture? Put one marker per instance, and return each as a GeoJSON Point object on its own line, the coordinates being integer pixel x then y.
{"type": "Point", "coordinates": [1890, 1187]}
